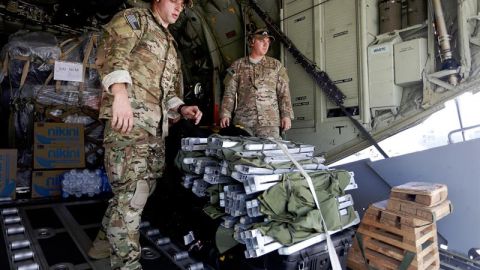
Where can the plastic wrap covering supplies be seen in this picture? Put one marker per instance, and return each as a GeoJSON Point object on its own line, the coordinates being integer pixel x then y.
{"type": "Point", "coordinates": [24, 177]}
{"type": "Point", "coordinates": [22, 118]}
{"type": "Point", "coordinates": [83, 50]}
{"type": "Point", "coordinates": [25, 157]}
{"type": "Point", "coordinates": [29, 58]}
{"type": "Point", "coordinates": [36, 49]}
{"type": "Point", "coordinates": [68, 95]}
{"type": "Point", "coordinates": [94, 151]}
{"type": "Point", "coordinates": [85, 182]}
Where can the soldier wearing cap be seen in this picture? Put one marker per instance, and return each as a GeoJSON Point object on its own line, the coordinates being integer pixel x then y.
{"type": "Point", "coordinates": [257, 92]}
{"type": "Point", "coordinates": [140, 75]}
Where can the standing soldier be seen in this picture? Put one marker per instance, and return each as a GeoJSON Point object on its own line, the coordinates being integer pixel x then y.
{"type": "Point", "coordinates": [139, 74]}
{"type": "Point", "coordinates": [258, 84]}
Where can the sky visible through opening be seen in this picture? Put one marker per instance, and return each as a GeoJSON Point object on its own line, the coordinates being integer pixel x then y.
{"type": "Point", "coordinates": [432, 132]}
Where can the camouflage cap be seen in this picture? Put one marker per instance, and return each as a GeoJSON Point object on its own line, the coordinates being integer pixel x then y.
{"type": "Point", "coordinates": [261, 32]}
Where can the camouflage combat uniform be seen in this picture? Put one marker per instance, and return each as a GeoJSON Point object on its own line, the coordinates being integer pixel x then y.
{"type": "Point", "coordinates": [261, 94]}
{"type": "Point", "coordinates": [139, 52]}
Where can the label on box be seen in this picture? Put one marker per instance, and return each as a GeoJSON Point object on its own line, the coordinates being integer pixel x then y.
{"type": "Point", "coordinates": [59, 134]}
{"type": "Point", "coordinates": [8, 172]}
{"type": "Point", "coordinates": [47, 183]}
{"type": "Point", "coordinates": [68, 71]}
{"type": "Point", "coordinates": [58, 156]}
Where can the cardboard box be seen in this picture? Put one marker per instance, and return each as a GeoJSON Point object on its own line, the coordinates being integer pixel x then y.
{"type": "Point", "coordinates": [47, 183]}
{"type": "Point", "coordinates": [58, 134]}
{"type": "Point", "coordinates": [58, 156]}
{"type": "Point", "coordinates": [8, 172]}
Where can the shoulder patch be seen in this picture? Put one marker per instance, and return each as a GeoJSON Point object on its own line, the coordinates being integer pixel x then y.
{"type": "Point", "coordinates": [132, 21]}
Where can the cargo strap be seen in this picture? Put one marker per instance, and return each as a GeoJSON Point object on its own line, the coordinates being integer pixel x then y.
{"type": "Point", "coordinates": [26, 68]}
{"type": "Point", "coordinates": [407, 258]}
{"type": "Point", "coordinates": [322, 79]}
{"type": "Point", "coordinates": [65, 54]}
{"type": "Point", "coordinates": [332, 253]}
{"type": "Point", "coordinates": [359, 238]}
{"type": "Point", "coordinates": [62, 57]}
{"type": "Point", "coordinates": [88, 51]}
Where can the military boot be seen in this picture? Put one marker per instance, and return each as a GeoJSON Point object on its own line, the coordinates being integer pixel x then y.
{"type": "Point", "coordinates": [99, 250]}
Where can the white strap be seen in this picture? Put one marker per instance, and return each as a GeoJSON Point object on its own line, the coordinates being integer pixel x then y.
{"type": "Point", "coordinates": [331, 248]}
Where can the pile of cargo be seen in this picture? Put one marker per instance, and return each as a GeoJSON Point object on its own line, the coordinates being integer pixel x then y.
{"type": "Point", "coordinates": [53, 96]}
{"type": "Point", "coordinates": [258, 188]}
{"type": "Point", "coordinates": [401, 232]}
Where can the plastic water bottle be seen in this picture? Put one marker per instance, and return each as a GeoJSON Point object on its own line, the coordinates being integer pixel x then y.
{"type": "Point", "coordinates": [78, 183]}
{"type": "Point", "coordinates": [92, 182]}
{"type": "Point", "coordinates": [105, 186]}
{"type": "Point", "coordinates": [65, 186]}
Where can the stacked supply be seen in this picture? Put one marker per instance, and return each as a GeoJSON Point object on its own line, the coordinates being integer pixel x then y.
{"type": "Point", "coordinates": [40, 90]}
{"type": "Point", "coordinates": [200, 171]}
{"type": "Point", "coordinates": [265, 196]}
{"type": "Point", "coordinates": [401, 232]}
{"type": "Point", "coordinates": [84, 182]}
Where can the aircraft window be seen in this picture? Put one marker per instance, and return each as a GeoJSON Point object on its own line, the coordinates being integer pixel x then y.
{"type": "Point", "coordinates": [433, 132]}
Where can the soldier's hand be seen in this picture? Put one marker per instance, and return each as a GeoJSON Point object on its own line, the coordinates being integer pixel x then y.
{"type": "Point", "coordinates": [286, 123]}
{"type": "Point", "coordinates": [224, 122]}
{"type": "Point", "coordinates": [122, 115]}
{"type": "Point", "coordinates": [192, 112]}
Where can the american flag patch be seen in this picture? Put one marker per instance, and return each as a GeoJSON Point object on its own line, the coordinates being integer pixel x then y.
{"type": "Point", "coordinates": [133, 21]}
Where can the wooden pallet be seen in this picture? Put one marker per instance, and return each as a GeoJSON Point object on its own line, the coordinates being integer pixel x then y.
{"type": "Point", "coordinates": [377, 261]}
{"type": "Point", "coordinates": [427, 194]}
{"type": "Point", "coordinates": [430, 214]}
{"type": "Point", "coordinates": [388, 236]}
{"type": "Point", "coordinates": [379, 209]}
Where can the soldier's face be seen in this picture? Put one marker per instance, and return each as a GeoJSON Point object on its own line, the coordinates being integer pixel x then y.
{"type": "Point", "coordinates": [260, 45]}
{"type": "Point", "coordinates": [168, 10]}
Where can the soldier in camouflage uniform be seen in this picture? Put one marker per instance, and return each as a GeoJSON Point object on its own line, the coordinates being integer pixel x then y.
{"type": "Point", "coordinates": [258, 84]}
{"type": "Point", "coordinates": [140, 75]}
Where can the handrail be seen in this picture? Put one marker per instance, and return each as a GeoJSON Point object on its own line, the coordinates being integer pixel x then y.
{"type": "Point", "coordinates": [459, 130]}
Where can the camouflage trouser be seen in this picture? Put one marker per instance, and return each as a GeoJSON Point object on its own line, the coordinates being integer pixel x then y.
{"type": "Point", "coordinates": [265, 132]}
{"type": "Point", "coordinates": [133, 162]}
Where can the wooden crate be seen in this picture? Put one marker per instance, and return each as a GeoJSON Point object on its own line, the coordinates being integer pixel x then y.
{"type": "Point", "coordinates": [427, 194]}
{"type": "Point", "coordinates": [388, 236]}
{"type": "Point", "coordinates": [430, 214]}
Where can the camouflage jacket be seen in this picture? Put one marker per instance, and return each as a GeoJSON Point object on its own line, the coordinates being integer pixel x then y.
{"type": "Point", "coordinates": [139, 51]}
{"type": "Point", "coordinates": [260, 91]}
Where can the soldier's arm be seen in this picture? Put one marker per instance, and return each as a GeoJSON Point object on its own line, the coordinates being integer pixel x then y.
{"type": "Point", "coordinates": [120, 41]}
{"type": "Point", "coordinates": [121, 38]}
{"type": "Point", "coordinates": [283, 95]}
{"type": "Point", "coordinates": [176, 106]}
{"type": "Point", "coordinates": [122, 114]}
{"type": "Point", "coordinates": [173, 100]}
{"type": "Point", "coordinates": [229, 94]}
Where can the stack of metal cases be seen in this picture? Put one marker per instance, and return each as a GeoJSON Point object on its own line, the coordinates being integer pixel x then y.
{"type": "Point", "coordinates": [314, 257]}
{"type": "Point", "coordinates": [245, 167]}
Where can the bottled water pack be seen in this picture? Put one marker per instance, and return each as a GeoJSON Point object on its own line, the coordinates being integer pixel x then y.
{"type": "Point", "coordinates": [83, 182]}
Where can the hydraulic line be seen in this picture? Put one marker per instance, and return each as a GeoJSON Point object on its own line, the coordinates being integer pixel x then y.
{"type": "Point", "coordinates": [320, 77]}
{"type": "Point", "coordinates": [444, 38]}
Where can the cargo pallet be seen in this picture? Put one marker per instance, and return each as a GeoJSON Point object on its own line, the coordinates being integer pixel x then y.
{"type": "Point", "coordinates": [388, 239]}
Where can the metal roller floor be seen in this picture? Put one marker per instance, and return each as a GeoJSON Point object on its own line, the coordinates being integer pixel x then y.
{"type": "Point", "coordinates": [58, 236]}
